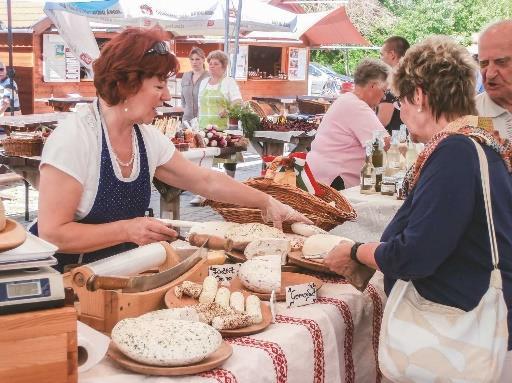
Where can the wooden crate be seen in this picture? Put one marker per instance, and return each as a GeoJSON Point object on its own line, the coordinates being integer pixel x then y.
{"type": "Point", "coordinates": [39, 346]}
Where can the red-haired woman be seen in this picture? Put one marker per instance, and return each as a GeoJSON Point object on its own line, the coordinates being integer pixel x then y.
{"type": "Point", "coordinates": [97, 166]}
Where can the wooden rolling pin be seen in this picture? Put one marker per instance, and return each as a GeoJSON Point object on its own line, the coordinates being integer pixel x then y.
{"type": "Point", "coordinates": [212, 242]}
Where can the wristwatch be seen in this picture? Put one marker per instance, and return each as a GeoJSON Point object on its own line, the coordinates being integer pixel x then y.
{"type": "Point", "coordinates": [353, 252]}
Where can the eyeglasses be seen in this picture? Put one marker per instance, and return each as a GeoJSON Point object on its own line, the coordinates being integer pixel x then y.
{"type": "Point", "coordinates": [160, 48]}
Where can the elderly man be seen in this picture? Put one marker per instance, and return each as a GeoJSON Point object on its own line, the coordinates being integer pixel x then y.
{"type": "Point", "coordinates": [495, 58]}
{"type": "Point", "coordinates": [391, 52]}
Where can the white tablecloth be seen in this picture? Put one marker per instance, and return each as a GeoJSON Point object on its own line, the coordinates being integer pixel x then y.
{"type": "Point", "coordinates": [334, 340]}
{"type": "Point", "coordinates": [374, 212]}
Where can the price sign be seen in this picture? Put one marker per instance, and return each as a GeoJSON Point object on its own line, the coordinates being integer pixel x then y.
{"type": "Point", "coordinates": [224, 273]}
{"type": "Point", "coordinates": [300, 295]}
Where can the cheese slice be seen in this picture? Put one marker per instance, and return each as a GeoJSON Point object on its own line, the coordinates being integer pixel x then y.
{"type": "Point", "coordinates": [165, 342]}
{"type": "Point", "coordinates": [245, 233]}
{"type": "Point", "coordinates": [268, 246]}
{"type": "Point", "coordinates": [319, 245]}
{"type": "Point", "coordinates": [261, 274]}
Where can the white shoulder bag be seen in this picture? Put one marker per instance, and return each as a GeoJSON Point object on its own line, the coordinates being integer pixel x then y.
{"type": "Point", "coordinates": [423, 341]}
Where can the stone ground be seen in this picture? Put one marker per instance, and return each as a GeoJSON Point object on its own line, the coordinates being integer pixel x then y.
{"type": "Point", "coordinates": [15, 192]}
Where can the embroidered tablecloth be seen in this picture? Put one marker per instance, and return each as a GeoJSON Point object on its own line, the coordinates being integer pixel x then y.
{"type": "Point", "coordinates": [333, 340]}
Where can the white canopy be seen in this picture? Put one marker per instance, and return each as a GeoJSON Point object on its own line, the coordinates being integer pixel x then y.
{"type": "Point", "coordinates": [192, 18]}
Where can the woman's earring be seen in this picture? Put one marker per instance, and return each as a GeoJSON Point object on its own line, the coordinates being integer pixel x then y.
{"type": "Point", "coordinates": [419, 110]}
{"type": "Point", "coordinates": [125, 107]}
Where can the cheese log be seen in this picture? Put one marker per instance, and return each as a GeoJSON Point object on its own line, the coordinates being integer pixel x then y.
{"type": "Point", "coordinates": [178, 291]}
{"type": "Point", "coordinates": [306, 230]}
{"type": "Point", "coordinates": [268, 246]}
{"type": "Point", "coordinates": [253, 309]}
{"type": "Point", "coordinates": [261, 274]}
{"type": "Point", "coordinates": [209, 291]}
{"type": "Point", "coordinates": [222, 297]}
{"type": "Point", "coordinates": [242, 235]}
{"type": "Point", "coordinates": [191, 289]}
{"type": "Point", "coordinates": [231, 322]}
{"type": "Point", "coordinates": [211, 310]}
{"type": "Point", "coordinates": [319, 245]}
{"type": "Point", "coordinates": [237, 301]}
{"type": "Point", "coordinates": [165, 342]}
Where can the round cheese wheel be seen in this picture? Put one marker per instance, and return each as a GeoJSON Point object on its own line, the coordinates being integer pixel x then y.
{"type": "Point", "coordinates": [179, 313]}
{"type": "Point", "coordinates": [165, 342]}
{"type": "Point", "coordinates": [319, 245]}
{"type": "Point", "coordinates": [261, 274]}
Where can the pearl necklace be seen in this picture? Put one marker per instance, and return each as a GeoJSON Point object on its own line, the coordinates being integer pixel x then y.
{"type": "Point", "coordinates": [129, 163]}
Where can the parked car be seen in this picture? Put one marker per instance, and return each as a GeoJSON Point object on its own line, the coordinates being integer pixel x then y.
{"type": "Point", "coordinates": [323, 80]}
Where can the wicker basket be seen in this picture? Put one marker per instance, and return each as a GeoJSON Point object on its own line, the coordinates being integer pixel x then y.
{"type": "Point", "coordinates": [317, 209]}
{"type": "Point", "coordinates": [27, 147]}
{"type": "Point", "coordinates": [312, 107]}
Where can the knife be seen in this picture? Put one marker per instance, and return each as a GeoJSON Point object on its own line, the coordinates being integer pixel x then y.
{"type": "Point", "coordinates": [140, 283]}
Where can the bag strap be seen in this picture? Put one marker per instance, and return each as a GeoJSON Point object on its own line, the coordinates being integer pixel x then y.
{"type": "Point", "coordinates": [486, 189]}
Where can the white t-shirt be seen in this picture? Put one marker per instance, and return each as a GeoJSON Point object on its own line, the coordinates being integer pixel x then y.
{"type": "Point", "coordinates": [75, 148]}
{"type": "Point", "coordinates": [228, 87]}
{"type": "Point", "coordinates": [501, 118]}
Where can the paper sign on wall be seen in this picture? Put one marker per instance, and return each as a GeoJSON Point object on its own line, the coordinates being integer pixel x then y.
{"type": "Point", "coordinates": [224, 273]}
{"type": "Point", "coordinates": [59, 63]}
{"type": "Point", "coordinates": [297, 60]}
{"type": "Point", "coordinates": [300, 295]}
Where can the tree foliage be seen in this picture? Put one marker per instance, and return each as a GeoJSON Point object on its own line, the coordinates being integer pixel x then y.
{"type": "Point", "coordinates": [413, 19]}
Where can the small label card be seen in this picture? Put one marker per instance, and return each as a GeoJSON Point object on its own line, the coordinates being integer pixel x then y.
{"type": "Point", "coordinates": [224, 273]}
{"type": "Point", "coordinates": [300, 295]}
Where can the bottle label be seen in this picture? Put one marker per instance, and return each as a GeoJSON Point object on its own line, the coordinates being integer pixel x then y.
{"type": "Point", "coordinates": [368, 181]}
{"type": "Point", "coordinates": [379, 170]}
{"type": "Point", "coordinates": [387, 188]}
{"type": "Point", "coordinates": [394, 164]}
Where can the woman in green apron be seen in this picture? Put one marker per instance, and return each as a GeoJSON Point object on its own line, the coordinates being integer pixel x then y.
{"type": "Point", "coordinates": [215, 95]}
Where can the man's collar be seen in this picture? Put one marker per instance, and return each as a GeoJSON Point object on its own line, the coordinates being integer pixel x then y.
{"type": "Point", "coordinates": [491, 108]}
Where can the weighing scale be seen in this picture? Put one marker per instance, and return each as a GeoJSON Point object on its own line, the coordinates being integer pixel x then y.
{"type": "Point", "coordinates": [27, 282]}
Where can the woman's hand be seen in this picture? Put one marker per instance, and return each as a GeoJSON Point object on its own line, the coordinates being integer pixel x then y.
{"type": "Point", "coordinates": [277, 213]}
{"type": "Point", "coordinates": [145, 230]}
{"type": "Point", "coordinates": [338, 259]}
{"type": "Point", "coordinates": [223, 113]}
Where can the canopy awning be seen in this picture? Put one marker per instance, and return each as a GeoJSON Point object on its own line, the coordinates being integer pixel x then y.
{"type": "Point", "coordinates": [320, 29]}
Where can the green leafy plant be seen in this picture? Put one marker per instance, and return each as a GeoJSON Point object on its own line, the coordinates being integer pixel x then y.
{"type": "Point", "coordinates": [238, 110]}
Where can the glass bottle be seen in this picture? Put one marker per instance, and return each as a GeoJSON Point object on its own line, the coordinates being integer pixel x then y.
{"type": "Point", "coordinates": [368, 172]}
{"type": "Point", "coordinates": [378, 159]}
{"type": "Point", "coordinates": [393, 156]}
{"type": "Point", "coordinates": [411, 154]}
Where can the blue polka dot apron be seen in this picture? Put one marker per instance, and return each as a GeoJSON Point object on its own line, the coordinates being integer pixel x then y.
{"type": "Point", "coordinates": [115, 200]}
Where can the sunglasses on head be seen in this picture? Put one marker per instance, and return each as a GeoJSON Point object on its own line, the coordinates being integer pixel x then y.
{"type": "Point", "coordinates": [160, 48]}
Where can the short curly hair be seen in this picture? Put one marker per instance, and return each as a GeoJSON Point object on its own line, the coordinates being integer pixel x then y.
{"type": "Point", "coordinates": [124, 63]}
{"type": "Point", "coordinates": [446, 73]}
{"type": "Point", "coordinates": [371, 70]}
{"type": "Point", "coordinates": [220, 56]}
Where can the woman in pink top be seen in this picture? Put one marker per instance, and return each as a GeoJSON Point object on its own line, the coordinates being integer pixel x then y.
{"type": "Point", "coordinates": [338, 151]}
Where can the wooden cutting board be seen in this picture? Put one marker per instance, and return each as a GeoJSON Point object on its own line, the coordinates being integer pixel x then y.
{"type": "Point", "coordinates": [287, 279]}
{"type": "Point", "coordinates": [214, 360]}
{"type": "Point", "coordinates": [12, 236]}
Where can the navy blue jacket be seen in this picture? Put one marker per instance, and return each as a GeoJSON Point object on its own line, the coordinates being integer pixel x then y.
{"type": "Point", "coordinates": [439, 237]}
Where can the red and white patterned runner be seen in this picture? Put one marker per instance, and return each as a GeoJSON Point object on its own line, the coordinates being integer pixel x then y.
{"type": "Point", "coordinates": [221, 375]}
{"type": "Point", "coordinates": [318, 343]}
{"type": "Point", "coordinates": [272, 349]}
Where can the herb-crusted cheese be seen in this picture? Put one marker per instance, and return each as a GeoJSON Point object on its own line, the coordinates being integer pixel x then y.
{"type": "Point", "coordinates": [241, 235]}
{"type": "Point", "coordinates": [319, 245]}
{"type": "Point", "coordinates": [261, 274]}
{"type": "Point", "coordinates": [163, 342]}
{"type": "Point", "coordinates": [268, 246]}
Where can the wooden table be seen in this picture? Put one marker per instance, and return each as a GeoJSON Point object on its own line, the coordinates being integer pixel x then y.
{"type": "Point", "coordinates": [64, 104]}
{"type": "Point", "coordinates": [272, 143]}
{"type": "Point", "coordinates": [27, 122]}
